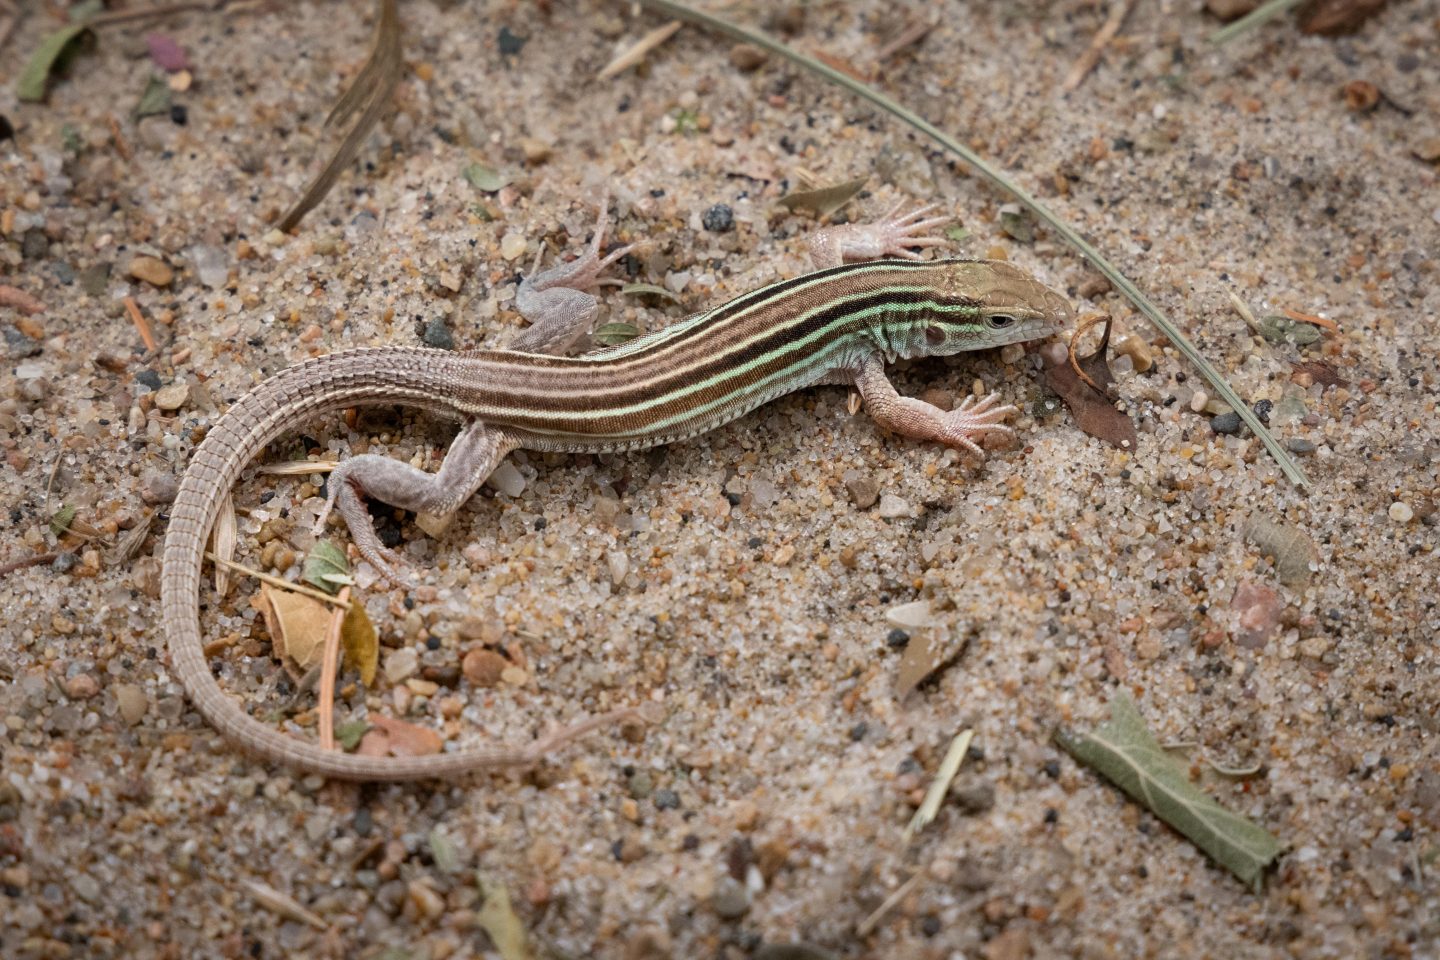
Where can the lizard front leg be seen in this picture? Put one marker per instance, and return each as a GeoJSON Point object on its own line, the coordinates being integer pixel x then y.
{"type": "Point", "coordinates": [923, 421]}
{"type": "Point", "coordinates": [891, 236]}
{"type": "Point", "coordinates": [471, 458]}
{"type": "Point", "coordinates": [559, 302]}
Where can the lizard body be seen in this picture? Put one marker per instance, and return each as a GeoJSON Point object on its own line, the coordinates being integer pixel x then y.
{"type": "Point", "coordinates": [839, 325]}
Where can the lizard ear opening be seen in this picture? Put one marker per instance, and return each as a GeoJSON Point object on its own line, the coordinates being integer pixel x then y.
{"type": "Point", "coordinates": [934, 335]}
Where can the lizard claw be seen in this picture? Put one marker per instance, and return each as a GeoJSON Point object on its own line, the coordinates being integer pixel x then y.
{"type": "Point", "coordinates": [973, 419]}
{"type": "Point", "coordinates": [344, 496]}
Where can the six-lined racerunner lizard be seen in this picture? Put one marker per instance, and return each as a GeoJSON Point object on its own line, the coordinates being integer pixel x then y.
{"type": "Point", "coordinates": [840, 325]}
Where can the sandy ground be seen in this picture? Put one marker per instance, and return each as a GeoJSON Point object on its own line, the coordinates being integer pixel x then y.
{"type": "Point", "coordinates": [735, 578]}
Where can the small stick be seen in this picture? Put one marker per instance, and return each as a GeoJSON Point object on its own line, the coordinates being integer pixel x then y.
{"type": "Point", "coordinates": [121, 146]}
{"type": "Point", "coordinates": [159, 10]}
{"type": "Point", "coordinates": [639, 50]}
{"type": "Point", "coordinates": [277, 582]}
{"type": "Point", "coordinates": [35, 561]}
{"type": "Point", "coordinates": [1321, 322]}
{"type": "Point", "coordinates": [141, 324]}
{"type": "Point", "coordinates": [901, 892]}
{"type": "Point", "coordinates": [1119, 10]}
{"type": "Point", "coordinates": [1085, 324]}
{"type": "Point", "coordinates": [914, 33]}
{"type": "Point", "coordinates": [329, 666]}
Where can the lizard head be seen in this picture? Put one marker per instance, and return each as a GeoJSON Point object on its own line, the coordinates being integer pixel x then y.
{"type": "Point", "coordinates": [1001, 304]}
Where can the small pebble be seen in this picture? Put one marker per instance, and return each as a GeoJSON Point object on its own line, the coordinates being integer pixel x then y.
{"type": "Point", "coordinates": [746, 58]}
{"type": "Point", "coordinates": [892, 507]}
{"type": "Point", "coordinates": [1011, 353]}
{"type": "Point", "coordinates": [1198, 401]}
{"type": "Point", "coordinates": [132, 702]}
{"type": "Point", "coordinates": [731, 899]}
{"type": "Point", "coordinates": [172, 397]}
{"type": "Point", "coordinates": [718, 219]}
{"type": "Point", "coordinates": [507, 479]}
{"type": "Point", "coordinates": [82, 686]}
{"type": "Point", "coordinates": [1226, 423]}
{"type": "Point", "coordinates": [157, 487]}
{"type": "Point", "coordinates": [401, 664]}
{"type": "Point", "coordinates": [1300, 446]}
{"type": "Point", "coordinates": [512, 245]}
{"type": "Point", "coordinates": [1401, 512]}
{"type": "Point", "coordinates": [152, 270]}
{"type": "Point", "coordinates": [437, 334]}
{"type": "Point", "coordinates": [863, 489]}
{"type": "Point", "coordinates": [483, 668]}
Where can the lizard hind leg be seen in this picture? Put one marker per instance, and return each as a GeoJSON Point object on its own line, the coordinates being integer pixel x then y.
{"type": "Point", "coordinates": [474, 454]}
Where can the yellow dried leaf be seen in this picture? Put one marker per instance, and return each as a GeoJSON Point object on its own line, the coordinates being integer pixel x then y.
{"type": "Point", "coordinates": [358, 640]}
{"type": "Point", "coordinates": [297, 625]}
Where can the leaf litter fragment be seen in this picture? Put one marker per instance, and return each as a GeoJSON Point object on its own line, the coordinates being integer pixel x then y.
{"type": "Point", "coordinates": [50, 58]}
{"type": "Point", "coordinates": [486, 179]}
{"type": "Point", "coordinates": [614, 334]}
{"type": "Point", "coordinates": [1125, 753]}
{"type": "Point", "coordinates": [499, 920]}
{"type": "Point", "coordinates": [823, 201]}
{"type": "Point", "coordinates": [1088, 392]}
{"type": "Point", "coordinates": [1291, 549]}
{"type": "Point", "coordinates": [326, 567]}
{"type": "Point", "coordinates": [155, 100]}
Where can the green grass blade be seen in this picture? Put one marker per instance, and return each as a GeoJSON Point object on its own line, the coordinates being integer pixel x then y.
{"type": "Point", "coordinates": [1266, 11]}
{"type": "Point", "coordinates": [1223, 389]}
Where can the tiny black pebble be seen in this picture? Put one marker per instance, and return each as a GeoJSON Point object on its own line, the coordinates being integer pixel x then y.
{"type": "Point", "coordinates": [1124, 474]}
{"type": "Point", "coordinates": [363, 821]}
{"type": "Point", "coordinates": [1064, 596]}
{"type": "Point", "coordinates": [616, 848]}
{"type": "Point", "coordinates": [148, 378]}
{"type": "Point", "coordinates": [267, 496]}
{"type": "Point", "coordinates": [897, 639]}
{"type": "Point", "coordinates": [432, 643]}
{"type": "Point", "coordinates": [1405, 835]}
{"type": "Point", "coordinates": [691, 842]}
{"type": "Point", "coordinates": [409, 603]}
{"type": "Point", "coordinates": [930, 925]}
{"type": "Point", "coordinates": [1052, 815]}
{"type": "Point", "coordinates": [539, 523]}
{"type": "Point", "coordinates": [667, 800]}
{"type": "Point", "coordinates": [390, 536]}
{"type": "Point", "coordinates": [857, 732]}
{"type": "Point", "coordinates": [1226, 423]}
{"type": "Point", "coordinates": [1052, 769]}
{"type": "Point", "coordinates": [718, 219]}
{"type": "Point", "coordinates": [734, 499]}
{"type": "Point", "coordinates": [1262, 410]}
{"type": "Point", "coordinates": [509, 43]}
{"type": "Point", "coordinates": [179, 115]}
{"type": "Point", "coordinates": [755, 543]}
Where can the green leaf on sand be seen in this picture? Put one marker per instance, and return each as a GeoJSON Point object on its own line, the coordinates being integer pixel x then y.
{"type": "Point", "coordinates": [614, 334]}
{"type": "Point", "coordinates": [1278, 329]}
{"type": "Point", "coordinates": [62, 520]}
{"type": "Point", "coordinates": [1126, 754]}
{"type": "Point", "coordinates": [155, 101]}
{"type": "Point", "coordinates": [348, 734]}
{"type": "Point", "coordinates": [823, 200]}
{"type": "Point", "coordinates": [49, 58]}
{"type": "Point", "coordinates": [486, 178]}
{"type": "Point", "coordinates": [326, 567]}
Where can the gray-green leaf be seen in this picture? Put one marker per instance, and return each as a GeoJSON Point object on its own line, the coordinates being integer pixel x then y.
{"type": "Point", "coordinates": [326, 567]}
{"type": "Point", "coordinates": [1125, 753]}
{"type": "Point", "coordinates": [50, 57]}
{"type": "Point", "coordinates": [348, 734]}
{"type": "Point", "coordinates": [486, 178]}
{"type": "Point", "coordinates": [62, 519]}
{"type": "Point", "coordinates": [1279, 329]}
{"type": "Point", "coordinates": [155, 101]}
{"type": "Point", "coordinates": [614, 334]}
{"type": "Point", "coordinates": [443, 852]}
{"type": "Point", "coordinates": [1017, 223]}
{"type": "Point", "coordinates": [823, 200]}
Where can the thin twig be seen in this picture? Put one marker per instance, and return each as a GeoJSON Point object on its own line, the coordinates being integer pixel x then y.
{"type": "Point", "coordinates": [329, 666]}
{"type": "Point", "coordinates": [159, 10]}
{"type": "Point", "coordinates": [1119, 10]}
{"type": "Point", "coordinates": [277, 582]}
{"type": "Point", "coordinates": [1085, 324]}
{"type": "Point", "coordinates": [136, 317]}
{"type": "Point", "coordinates": [901, 892]}
{"type": "Point", "coordinates": [914, 33]}
{"type": "Point", "coordinates": [1225, 392]}
{"type": "Point", "coordinates": [35, 561]}
{"type": "Point", "coordinates": [1262, 13]}
{"type": "Point", "coordinates": [639, 50]}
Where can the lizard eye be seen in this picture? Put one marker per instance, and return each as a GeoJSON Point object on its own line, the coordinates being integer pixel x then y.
{"type": "Point", "coordinates": [1000, 320]}
{"type": "Point", "coordinates": [934, 335]}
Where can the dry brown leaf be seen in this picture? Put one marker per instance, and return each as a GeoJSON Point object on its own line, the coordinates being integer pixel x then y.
{"type": "Point", "coordinates": [1332, 18]}
{"type": "Point", "coordinates": [297, 626]}
{"type": "Point", "coordinates": [358, 639]}
{"type": "Point", "coordinates": [222, 542]}
{"type": "Point", "coordinates": [1291, 548]}
{"type": "Point", "coordinates": [403, 739]}
{"type": "Point", "coordinates": [1094, 410]}
{"type": "Point", "coordinates": [929, 650]}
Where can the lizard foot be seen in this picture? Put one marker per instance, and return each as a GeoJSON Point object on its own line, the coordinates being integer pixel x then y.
{"type": "Point", "coordinates": [973, 419]}
{"type": "Point", "coordinates": [895, 233]}
{"type": "Point", "coordinates": [345, 496]}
